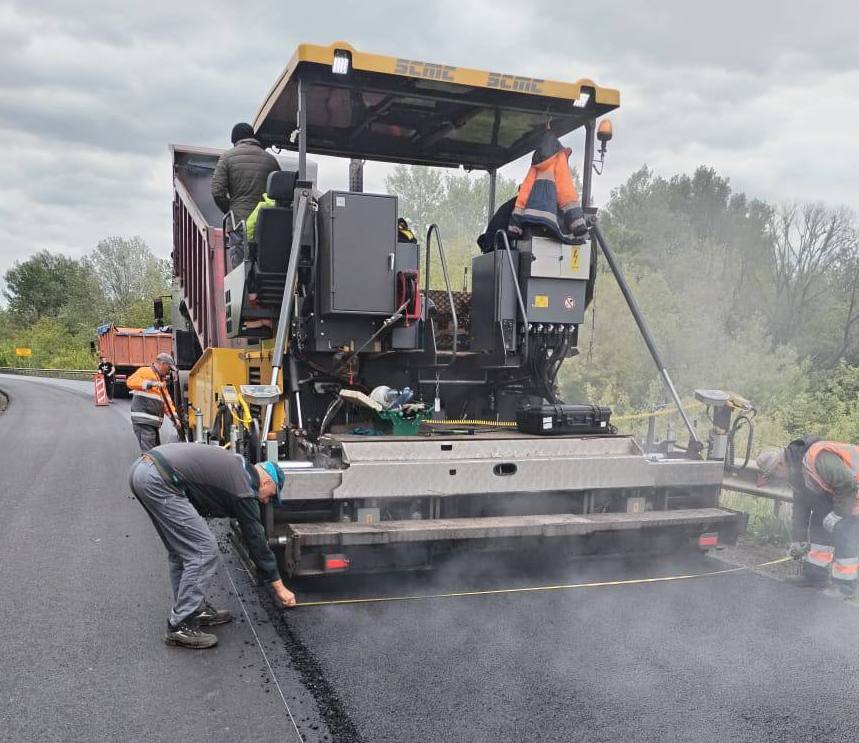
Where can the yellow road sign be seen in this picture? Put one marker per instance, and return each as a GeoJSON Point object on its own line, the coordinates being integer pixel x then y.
{"type": "Point", "coordinates": [23, 351]}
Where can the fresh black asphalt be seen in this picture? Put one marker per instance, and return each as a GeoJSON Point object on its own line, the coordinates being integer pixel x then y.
{"type": "Point", "coordinates": [738, 657]}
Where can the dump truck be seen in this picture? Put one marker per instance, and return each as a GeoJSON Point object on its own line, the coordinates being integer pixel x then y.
{"type": "Point", "coordinates": [414, 420]}
{"type": "Point", "coordinates": [130, 348]}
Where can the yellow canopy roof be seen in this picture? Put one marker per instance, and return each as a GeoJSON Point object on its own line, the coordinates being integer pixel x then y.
{"type": "Point", "coordinates": [402, 110]}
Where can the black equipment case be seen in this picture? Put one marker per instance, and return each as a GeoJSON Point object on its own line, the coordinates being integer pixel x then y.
{"type": "Point", "coordinates": [547, 420]}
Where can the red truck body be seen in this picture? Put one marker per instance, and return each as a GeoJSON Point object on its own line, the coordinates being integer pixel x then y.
{"type": "Point", "coordinates": [130, 348]}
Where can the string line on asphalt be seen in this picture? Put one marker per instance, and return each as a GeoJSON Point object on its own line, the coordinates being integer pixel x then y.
{"type": "Point", "coordinates": [263, 653]}
{"type": "Point", "coordinates": [537, 589]}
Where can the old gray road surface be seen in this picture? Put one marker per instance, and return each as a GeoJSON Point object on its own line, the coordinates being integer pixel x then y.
{"type": "Point", "coordinates": [738, 657]}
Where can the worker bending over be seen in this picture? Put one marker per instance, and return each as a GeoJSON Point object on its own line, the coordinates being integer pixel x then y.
{"type": "Point", "coordinates": [824, 476]}
{"type": "Point", "coordinates": [150, 400]}
{"type": "Point", "coordinates": [178, 484]}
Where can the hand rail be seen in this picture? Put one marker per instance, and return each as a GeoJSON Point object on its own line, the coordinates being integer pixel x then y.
{"type": "Point", "coordinates": [434, 228]}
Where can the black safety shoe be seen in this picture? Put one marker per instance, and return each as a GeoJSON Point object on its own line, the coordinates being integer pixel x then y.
{"type": "Point", "coordinates": [209, 616]}
{"type": "Point", "coordinates": [187, 635]}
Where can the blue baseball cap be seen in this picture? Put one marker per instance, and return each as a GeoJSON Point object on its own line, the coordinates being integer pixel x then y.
{"type": "Point", "coordinates": [275, 473]}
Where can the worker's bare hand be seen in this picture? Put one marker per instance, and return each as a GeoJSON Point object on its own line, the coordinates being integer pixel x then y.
{"type": "Point", "coordinates": [283, 594]}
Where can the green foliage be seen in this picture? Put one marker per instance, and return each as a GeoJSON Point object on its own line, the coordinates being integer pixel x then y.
{"type": "Point", "coordinates": [43, 284]}
{"type": "Point", "coordinates": [454, 200]}
{"type": "Point", "coordinates": [766, 525]}
{"type": "Point", "coordinates": [828, 408]}
{"type": "Point", "coordinates": [56, 302]}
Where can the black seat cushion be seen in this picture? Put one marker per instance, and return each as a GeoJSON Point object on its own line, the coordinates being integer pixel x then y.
{"type": "Point", "coordinates": [280, 186]}
{"type": "Point", "coordinates": [274, 239]}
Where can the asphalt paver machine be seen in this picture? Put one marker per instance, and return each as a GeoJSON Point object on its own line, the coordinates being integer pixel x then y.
{"type": "Point", "coordinates": [414, 420]}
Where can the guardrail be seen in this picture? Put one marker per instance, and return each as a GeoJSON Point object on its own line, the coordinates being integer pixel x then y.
{"type": "Point", "coordinates": [83, 374]}
{"type": "Point", "coordinates": [745, 481]}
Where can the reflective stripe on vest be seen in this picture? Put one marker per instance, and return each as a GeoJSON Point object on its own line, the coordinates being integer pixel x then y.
{"type": "Point", "coordinates": [138, 417]}
{"type": "Point", "coordinates": [150, 395]}
{"type": "Point", "coordinates": [845, 568]}
{"type": "Point", "coordinates": [820, 555]}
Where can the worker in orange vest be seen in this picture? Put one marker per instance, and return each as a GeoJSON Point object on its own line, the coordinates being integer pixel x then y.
{"type": "Point", "coordinates": [824, 476]}
{"type": "Point", "coordinates": [150, 400]}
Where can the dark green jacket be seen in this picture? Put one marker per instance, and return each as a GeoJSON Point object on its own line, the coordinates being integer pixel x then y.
{"type": "Point", "coordinates": [213, 480]}
{"type": "Point", "coordinates": [240, 177]}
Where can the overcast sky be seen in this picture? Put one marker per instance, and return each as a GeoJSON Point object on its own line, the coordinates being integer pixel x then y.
{"type": "Point", "coordinates": [91, 94]}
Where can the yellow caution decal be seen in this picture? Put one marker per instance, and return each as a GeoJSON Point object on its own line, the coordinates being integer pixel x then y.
{"type": "Point", "coordinates": [541, 301]}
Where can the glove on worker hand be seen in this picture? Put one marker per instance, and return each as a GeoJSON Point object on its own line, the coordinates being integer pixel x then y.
{"type": "Point", "coordinates": [797, 550]}
{"type": "Point", "coordinates": [576, 224]}
{"type": "Point", "coordinates": [830, 521]}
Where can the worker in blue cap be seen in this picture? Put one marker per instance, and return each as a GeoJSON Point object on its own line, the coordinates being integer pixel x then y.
{"type": "Point", "coordinates": [179, 484]}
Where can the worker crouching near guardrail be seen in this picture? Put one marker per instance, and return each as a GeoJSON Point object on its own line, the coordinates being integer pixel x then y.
{"type": "Point", "coordinates": [178, 484]}
{"type": "Point", "coordinates": [824, 476]}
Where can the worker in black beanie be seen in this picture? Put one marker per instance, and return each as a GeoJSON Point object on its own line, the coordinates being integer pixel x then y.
{"type": "Point", "coordinates": [241, 173]}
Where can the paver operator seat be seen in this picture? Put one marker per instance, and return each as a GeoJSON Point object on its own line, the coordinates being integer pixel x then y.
{"type": "Point", "coordinates": [254, 289]}
{"type": "Point", "coordinates": [274, 224]}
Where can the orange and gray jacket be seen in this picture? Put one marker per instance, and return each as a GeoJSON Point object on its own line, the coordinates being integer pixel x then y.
{"type": "Point", "coordinates": [548, 196]}
{"type": "Point", "coordinates": [148, 402]}
{"type": "Point", "coordinates": [832, 468]}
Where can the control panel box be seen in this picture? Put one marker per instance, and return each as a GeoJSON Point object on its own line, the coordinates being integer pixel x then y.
{"type": "Point", "coordinates": [554, 279]}
{"type": "Point", "coordinates": [357, 253]}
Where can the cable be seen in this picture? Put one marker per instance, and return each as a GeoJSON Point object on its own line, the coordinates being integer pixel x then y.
{"type": "Point", "coordinates": [535, 589]}
{"type": "Point", "coordinates": [262, 651]}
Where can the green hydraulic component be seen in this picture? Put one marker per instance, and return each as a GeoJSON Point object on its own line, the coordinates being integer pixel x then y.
{"type": "Point", "coordinates": [406, 422]}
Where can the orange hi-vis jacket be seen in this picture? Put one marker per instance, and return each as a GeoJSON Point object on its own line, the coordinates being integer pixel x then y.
{"type": "Point", "coordinates": [844, 491]}
{"type": "Point", "coordinates": [148, 402]}
{"type": "Point", "coordinates": [548, 196]}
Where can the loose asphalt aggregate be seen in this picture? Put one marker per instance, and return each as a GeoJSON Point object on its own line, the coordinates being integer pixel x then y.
{"type": "Point", "coordinates": [736, 657]}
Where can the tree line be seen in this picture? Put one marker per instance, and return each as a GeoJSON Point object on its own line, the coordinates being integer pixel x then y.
{"type": "Point", "coordinates": [54, 303]}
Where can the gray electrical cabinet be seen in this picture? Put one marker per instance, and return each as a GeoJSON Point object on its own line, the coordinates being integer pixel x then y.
{"type": "Point", "coordinates": [554, 280]}
{"type": "Point", "coordinates": [494, 306]}
{"type": "Point", "coordinates": [357, 253]}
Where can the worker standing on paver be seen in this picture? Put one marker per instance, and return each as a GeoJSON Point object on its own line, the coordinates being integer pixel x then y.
{"type": "Point", "coordinates": [150, 400]}
{"type": "Point", "coordinates": [178, 484]}
{"type": "Point", "coordinates": [241, 173]}
{"type": "Point", "coordinates": [108, 374]}
{"type": "Point", "coordinates": [824, 476]}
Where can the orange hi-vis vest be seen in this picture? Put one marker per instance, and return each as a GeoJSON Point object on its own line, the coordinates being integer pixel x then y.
{"type": "Point", "coordinates": [847, 453]}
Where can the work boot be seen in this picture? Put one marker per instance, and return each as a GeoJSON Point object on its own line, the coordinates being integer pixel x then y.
{"type": "Point", "coordinates": [187, 635]}
{"type": "Point", "coordinates": [209, 616]}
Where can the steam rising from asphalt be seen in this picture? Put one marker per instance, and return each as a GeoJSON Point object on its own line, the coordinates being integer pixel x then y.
{"type": "Point", "coordinates": [723, 657]}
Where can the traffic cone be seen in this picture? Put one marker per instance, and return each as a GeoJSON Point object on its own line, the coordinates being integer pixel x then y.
{"type": "Point", "coordinates": [100, 390]}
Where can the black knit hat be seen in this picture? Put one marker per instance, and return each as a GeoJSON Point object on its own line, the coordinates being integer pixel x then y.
{"type": "Point", "coordinates": [241, 131]}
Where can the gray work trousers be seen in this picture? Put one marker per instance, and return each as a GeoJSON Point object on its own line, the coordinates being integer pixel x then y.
{"type": "Point", "coordinates": [192, 550]}
{"type": "Point", "coordinates": [147, 436]}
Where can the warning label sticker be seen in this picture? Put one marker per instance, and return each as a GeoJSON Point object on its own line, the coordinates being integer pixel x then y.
{"type": "Point", "coordinates": [541, 301]}
{"type": "Point", "coordinates": [569, 304]}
